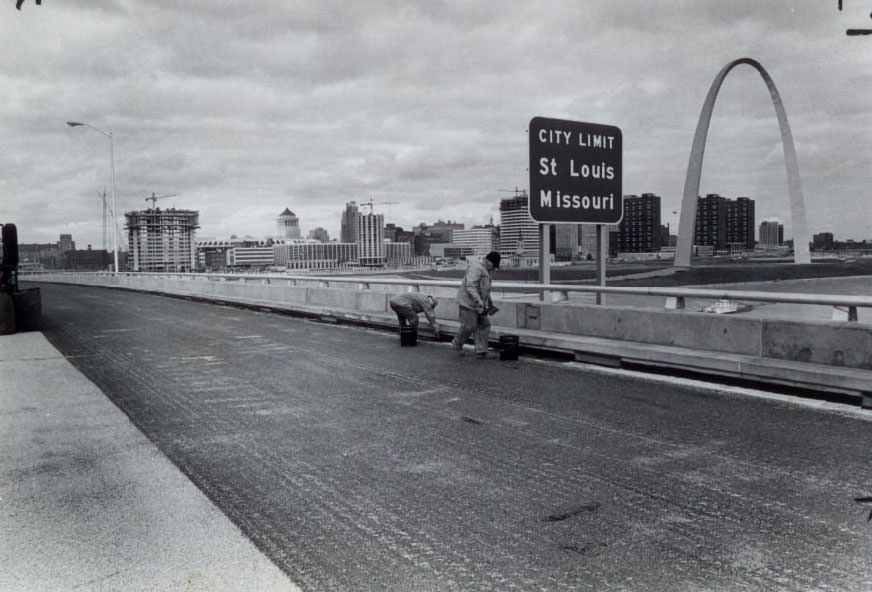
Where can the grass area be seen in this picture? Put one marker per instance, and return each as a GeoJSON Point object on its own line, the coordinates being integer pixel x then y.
{"type": "Point", "coordinates": [700, 274]}
{"type": "Point", "coordinates": [753, 272]}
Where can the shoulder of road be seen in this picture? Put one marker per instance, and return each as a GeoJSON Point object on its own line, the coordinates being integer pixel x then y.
{"type": "Point", "coordinates": [88, 503]}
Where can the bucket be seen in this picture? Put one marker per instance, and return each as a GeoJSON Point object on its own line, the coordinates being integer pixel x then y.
{"type": "Point", "coordinates": [408, 336]}
{"type": "Point", "coordinates": [509, 347]}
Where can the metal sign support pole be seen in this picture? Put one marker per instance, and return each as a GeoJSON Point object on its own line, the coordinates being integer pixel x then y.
{"type": "Point", "coordinates": [544, 258]}
{"type": "Point", "coordinates": [601, 251]}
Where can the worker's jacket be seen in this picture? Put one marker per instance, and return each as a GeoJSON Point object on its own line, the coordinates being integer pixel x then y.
{"type": "Point", "coordinates": [417, 302]}
{"type": "Point", "coordinates": [475, 288]}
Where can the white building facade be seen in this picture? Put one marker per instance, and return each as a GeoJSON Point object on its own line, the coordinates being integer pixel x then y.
{"type": "Point", "coordinates": [771, 233]}
{"type": "Point", "coordinates": [519, 233]}
{"type": "Point", "coordinates": [371, 240]}
{"type": "Point", "coordinates": [477, 241]}
{"type": "Point", "coordinates": [311, 254]}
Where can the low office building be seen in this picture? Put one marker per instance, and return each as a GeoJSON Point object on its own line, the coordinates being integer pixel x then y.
{"type": "Point", "coordinates": [477, 241]}
{"type": "Point", "coordinates": [312, 254]}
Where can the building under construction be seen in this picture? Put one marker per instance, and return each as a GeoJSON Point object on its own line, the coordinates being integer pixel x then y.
{"type": "Point", "coordinates": [162, 240]}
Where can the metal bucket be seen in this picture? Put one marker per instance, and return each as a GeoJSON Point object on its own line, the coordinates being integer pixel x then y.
{"type": "Point", "coordinates": [509, 347]}
{"type": "Point", "coordinates": [408, 336]}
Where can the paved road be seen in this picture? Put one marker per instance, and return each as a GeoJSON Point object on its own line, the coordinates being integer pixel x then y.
{"type": "Point", "coordinates": [355, 464]}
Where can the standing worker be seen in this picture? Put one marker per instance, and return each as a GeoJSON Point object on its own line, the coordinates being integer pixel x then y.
{"type": "Point", "coordinates": [410, 304]}
{"type": "Point", "coordinates": [475, 305]}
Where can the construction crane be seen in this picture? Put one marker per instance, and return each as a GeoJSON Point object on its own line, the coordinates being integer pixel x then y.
{"type": "Point", "coordinates": [378, 203]}
{"type": "Point", "coordinates": [154, 198]}
{"type": "Point", "coordinates": [518, 192]}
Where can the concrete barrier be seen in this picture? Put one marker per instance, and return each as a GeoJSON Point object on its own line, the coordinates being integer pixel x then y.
{"type": "Point", "coordinates": [830, 343]}
{"type": "Point", "coordinates": [787, 352]}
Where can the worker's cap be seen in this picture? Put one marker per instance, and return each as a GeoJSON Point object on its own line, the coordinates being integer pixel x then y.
{"type": "Point", "coordinates": [494, 258]}
{"type": "Point", "coordinates": [432, 299]}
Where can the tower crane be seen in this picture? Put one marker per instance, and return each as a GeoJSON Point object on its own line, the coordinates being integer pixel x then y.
{"type": "Point", "coordinates": [154, 198]}
{"type": "Point", "coordinates": [378, 203]}
{"type": "Point", "coordinates": [518, 192]}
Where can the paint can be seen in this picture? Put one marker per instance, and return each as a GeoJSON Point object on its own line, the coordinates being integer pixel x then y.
{"type": "Point", "coordinates": [408, 336]}
{"type": "Point", "coordinates": [509, 347]}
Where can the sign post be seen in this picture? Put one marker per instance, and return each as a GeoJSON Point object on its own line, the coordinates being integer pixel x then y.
{"type": "Point", "coordinates": [575, 178]}
{"type": "Point", "coordinates": [602, 247]}
{"type": "Point", "coordinates": [544, 250]}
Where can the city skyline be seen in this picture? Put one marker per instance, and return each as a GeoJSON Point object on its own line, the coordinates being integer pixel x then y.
{"type": "Point", "coordinates": [244, 113]}
{"type": "Point", "coordinates": [304, 233]}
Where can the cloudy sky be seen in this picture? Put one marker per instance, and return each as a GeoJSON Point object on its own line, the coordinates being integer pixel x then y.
{"type": "Point", "coordinates": [244, 108]}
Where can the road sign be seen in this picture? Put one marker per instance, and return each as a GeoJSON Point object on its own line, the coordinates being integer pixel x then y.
{"type": "Point", "coordinates": [575, 172]}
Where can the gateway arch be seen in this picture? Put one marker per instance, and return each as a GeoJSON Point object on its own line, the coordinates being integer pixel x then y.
{"type": "Point", "coordinates": [694, 170]}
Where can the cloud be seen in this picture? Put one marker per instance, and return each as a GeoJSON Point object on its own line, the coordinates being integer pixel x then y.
{"type": "Point", "coordinates": [247, 108]}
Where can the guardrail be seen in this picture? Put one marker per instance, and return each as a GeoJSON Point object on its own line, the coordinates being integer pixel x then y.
{"type": "Point", "coordinates": [844, 307]}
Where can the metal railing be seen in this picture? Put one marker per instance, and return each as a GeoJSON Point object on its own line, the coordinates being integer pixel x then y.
{"type": "Point", "coordinates": [844, 306]}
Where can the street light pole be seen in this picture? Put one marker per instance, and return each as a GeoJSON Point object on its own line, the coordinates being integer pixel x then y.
{"type": "Point", "coordinates": [112, 169]}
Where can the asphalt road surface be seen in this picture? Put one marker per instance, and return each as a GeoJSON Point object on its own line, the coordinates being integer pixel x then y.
{"type": "Point", "coordinates": [355, 464]}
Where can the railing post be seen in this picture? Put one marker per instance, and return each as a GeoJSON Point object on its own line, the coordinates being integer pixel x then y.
{"type": "Point", "coordinates": [845, 313]}
{"type": "Point", "coordinates": [675, 303]}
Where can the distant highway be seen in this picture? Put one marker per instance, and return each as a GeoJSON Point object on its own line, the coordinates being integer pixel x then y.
{"type": "Point", "coordinates": [358, 465]}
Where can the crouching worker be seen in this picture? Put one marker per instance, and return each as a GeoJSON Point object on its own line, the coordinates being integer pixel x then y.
{"type": "Point", "coordinates": [475, 305]}
{"type": "Point", "coordinates": [409, 305]}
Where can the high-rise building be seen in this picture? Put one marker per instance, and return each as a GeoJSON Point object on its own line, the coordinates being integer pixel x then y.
{"type": "Point", "coordinates": [639, 230]}
{"type": "Point", "coordinates": [371, 240]}
{"type": "Point", "coordinates": [288, 225]}
{"type": "Point", "coordinates": [587, 241]}
{"type": "Point", "coordinates": [587, 247]}
{"type": "Point", "coordinates": [349, 225]}
{"type": "Point", "coordinates": [771, 233]}
{"type": "Point", "coordinates": [740, 223]}
{"type": "Point", "coordinates": [566, 241]}
{"type": "Point", "coordinates": [723, 223]}
{"type": "Point", "coordinates": [162, 240]}
{"type": "Point", "coordinates": [519, 233]}
{"type": "Point", "coordinates": [710, 227]}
